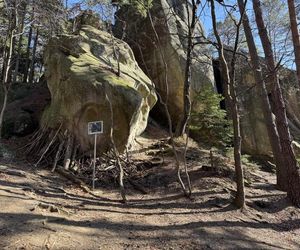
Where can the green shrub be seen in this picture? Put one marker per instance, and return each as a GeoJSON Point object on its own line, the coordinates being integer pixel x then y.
{"type": "Point", "coordinates": [209, 123]}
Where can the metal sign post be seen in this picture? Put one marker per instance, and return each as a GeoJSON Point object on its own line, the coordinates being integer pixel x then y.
{"type": "Point", "coordinates": [94, 162]}
{"type": "Point", "coordinates": [95, 128]}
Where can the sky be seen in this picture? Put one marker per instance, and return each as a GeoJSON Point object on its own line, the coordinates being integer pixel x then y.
{"type": "Point", "coordinates": [204, 15]}
{"type": "Point", "coordinates": [205, 18]}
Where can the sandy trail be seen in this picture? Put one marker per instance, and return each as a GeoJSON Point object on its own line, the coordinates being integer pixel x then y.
{"type": "Point", "coordinates": [41, 210]}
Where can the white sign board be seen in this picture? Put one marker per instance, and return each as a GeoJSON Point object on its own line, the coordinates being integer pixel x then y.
{"type": "Point", "coordinates": [95, 128]}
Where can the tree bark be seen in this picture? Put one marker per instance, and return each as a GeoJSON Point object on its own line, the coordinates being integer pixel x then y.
{"type": "Point", "coordinates": [295, 35]}
{"type": "Point", "coordinates": [115, 150]}
{"type": "Point", "coordinates": [4, 104]}
{"type": "Point", "coordinates": [5, 52]}
{"type": "Point", "coordinates": [266, 107]}
{"type": "Point", "coordinates": [15, 75]}
{"type": "Point", "coordinates": [6, 83]}
{"type": "Point", "coordinates": [181, 129]}
{"type": "Point", "coordinates": [27, 64]}
{"type": "Point", "coordinates": [17, 64]}
{"type": "Point", "coordinates": [35, 44]}
{"type": "Point", "coordinates": [165, 105]}
{"type": "Point", "coordinates": [289, 178]}
{"type": "Point", "coordinates": [68, 153]}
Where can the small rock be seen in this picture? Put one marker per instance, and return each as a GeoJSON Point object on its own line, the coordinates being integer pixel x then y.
{"type": "Point", "coordinates": [53, 209]}
{"type": "Point", "coordinates": [262, 204]}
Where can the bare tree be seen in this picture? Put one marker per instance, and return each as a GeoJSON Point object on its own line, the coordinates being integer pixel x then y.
{"type": "Point", "coordinates": [289, 179]}
{"type": "Point", "coordinates": [33, 57]}
{"type": "Point", "coordinates": [45, 15]}
{"type": "Point", "coordinates": [43, 20]}
{"type": "Point", "coordinates": [230, 95]}
{"type": "Point", "coordinates": [192, 21]}
{"type": "Point", "coordinates": [12, 13]}
{"type": "Point", "coordinates": [276, 18]}
{"type": "Point", "coordinates": [29, 39]}
{"type": "Point", "coordinates": [20, 42]}
{"type": "Point", "coordinates": [266, 107]}
{"type": "Point", "coordinates": [186, 191]}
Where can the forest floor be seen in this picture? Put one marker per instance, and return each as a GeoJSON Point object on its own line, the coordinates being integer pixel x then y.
{"type": "Point", "coordinates": [43, 210]}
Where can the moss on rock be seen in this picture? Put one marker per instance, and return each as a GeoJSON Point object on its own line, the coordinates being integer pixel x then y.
{"type": "Point", "coordinates": [82, 70]}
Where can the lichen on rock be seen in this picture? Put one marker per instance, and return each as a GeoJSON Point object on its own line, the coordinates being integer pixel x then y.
{"type": "Point", "coordinates": [170, 18]}
{"type": "Point", "coordinates": [82, 72]}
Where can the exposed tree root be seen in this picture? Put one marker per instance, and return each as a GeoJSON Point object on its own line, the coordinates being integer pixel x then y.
{"type": "Point", "coordinates": [74, 154]}
{"type": "Point", "coordinates": [57, 156]}
{"type": "Point", "coordinates": [186, 167]}
{"type": "Point", "coordinates": [68, 153]}
{"type": "Point", "coordinates": [58, 149]}
{"type": "Point", "coordinates": [73, 178]}
{"type": "Point", "coordinates": [47, 147]}
{"type": "Point", "coordinates": [116, 153]}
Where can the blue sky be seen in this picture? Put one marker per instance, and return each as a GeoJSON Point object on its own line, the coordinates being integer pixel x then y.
{"type": "Point", "coordinates": [205, 14]}
{"type": "Point", "coordinates": [205, 18]}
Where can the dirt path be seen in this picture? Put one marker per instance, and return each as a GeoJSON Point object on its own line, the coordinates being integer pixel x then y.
{"type": "Point", "coordinates": [40, 210]}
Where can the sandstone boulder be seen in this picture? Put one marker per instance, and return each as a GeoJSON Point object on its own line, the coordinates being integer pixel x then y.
{"type": "Point", "coordinates": [296, 147]}
{"type": "Point", "coordinates": [86, 70]}
{"type": "Point", "coordinates": [170, 19]}
{"type": "Point", "coordinates": [255, 140]}
{"type": "Point", "coordinates": [291, 93]}
{"type": "Point", "coordinates": [25, 109]}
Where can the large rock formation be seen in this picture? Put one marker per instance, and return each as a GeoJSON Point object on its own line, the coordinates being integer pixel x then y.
{"type": "Point", "coordinates": [25, 109]}
{"type": "Point", "coordinates": [291, 93]}
{"type": "Point", "coordinates": [170, 19]}
{"type": "Point", "coordinates": [254, 133]}
{"type": "Point", "coordinates": [82, 75]}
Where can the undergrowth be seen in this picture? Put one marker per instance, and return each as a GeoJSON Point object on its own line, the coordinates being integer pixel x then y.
{"type": "Point", "coordinates": [209, 123]}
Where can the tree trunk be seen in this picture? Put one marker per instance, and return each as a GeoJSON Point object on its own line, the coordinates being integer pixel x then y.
{"type": "Point", "coordinates": [68, 153]}
{"type": "Point", "coordinates": [4, 104]}
{"type": "Point", "coordinates": [232, 100]}
{"type": "Point", "coordinates": [259, 79]}
{"type": "Point", "coordinates": [27, 58]}
{"type": "Point", "coordinates": [5, 59]}
{"type": "Point", "coordinates": [284, 181]}
{"type": "Point", "coordinates": [15, 75]}
{"type": "Point", "coordinates": [181, 128]}
{"type": "Point", "coordinates": [6, 79]}
{"type": "Point", "coordinates": [165, 105]}
{"type": "Point", "coordinates": [17, 64]}
{"type": "Point", "coordinates": [31, 70]}
{"type": "Point", "coordinates": [295, 35]}
{"type": "Point", "coordinates": [115, 150]}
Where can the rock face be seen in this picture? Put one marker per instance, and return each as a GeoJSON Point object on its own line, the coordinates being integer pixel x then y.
{"type": "Point", "coordinates": [292, 96]}
{"type": "Point", "coordinates": [25, 110]}
{"type": "Point", "coordinates": [296, 147]}
{"type": "Point", "coordinates": [169, 18]}
{"type": "Point", "coordinates": [82, 75]}
{"type": "Point", "coordinates": [254, 133]}
{"type": "Point", "coordinates": [255, 140]}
